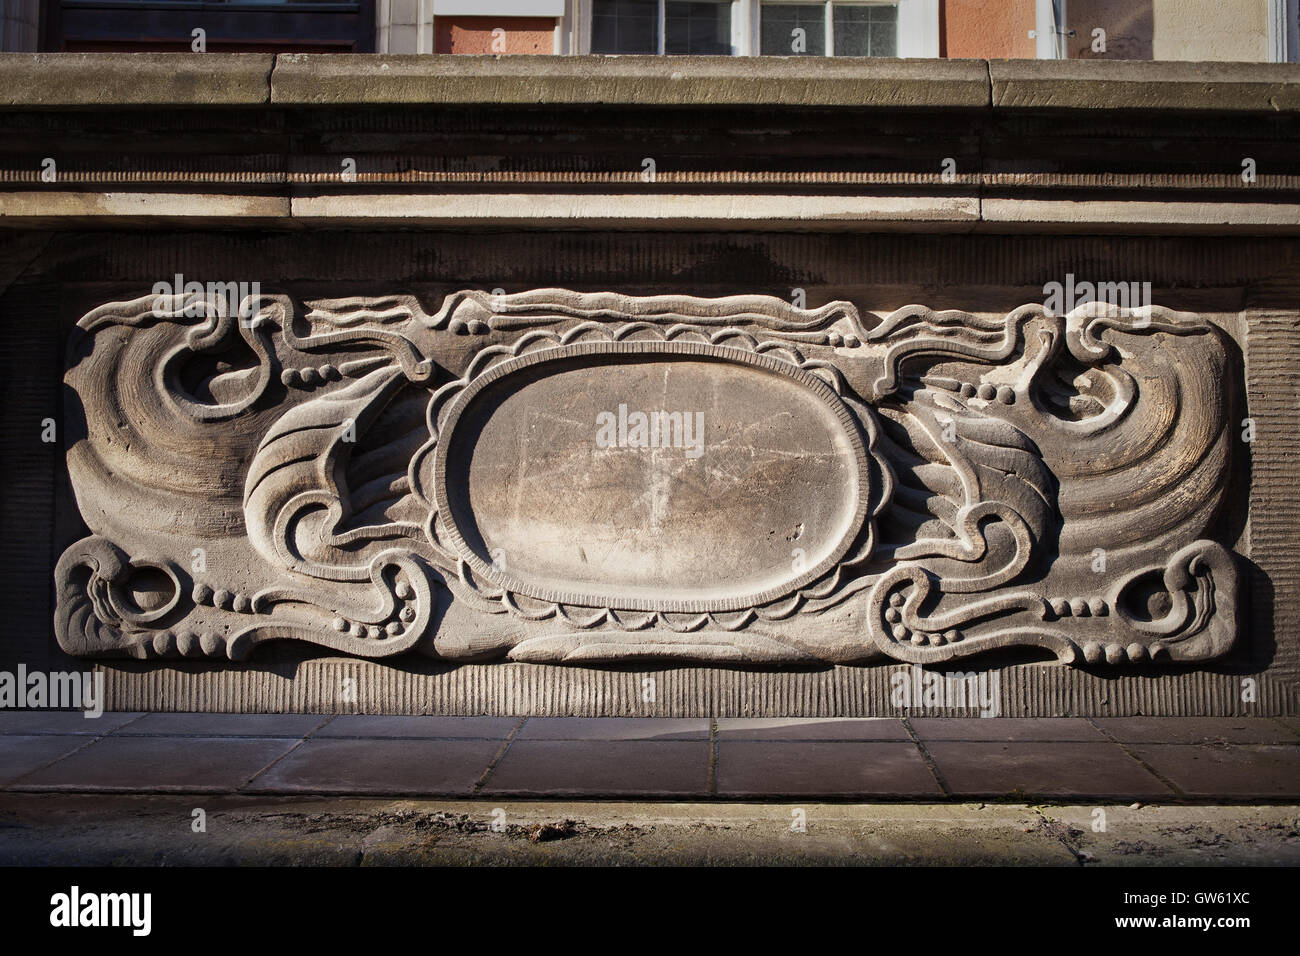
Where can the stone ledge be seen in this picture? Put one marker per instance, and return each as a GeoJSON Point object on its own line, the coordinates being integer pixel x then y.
{"type": "Point", "coordinates": [313, 79]}
{"type": "Point", "coordinates": [625, 211]}
{"type": "Point", "coordinates": [31, 208]}
{"type": "Point", "coordinates": [1196, 217]}
{"type": "Point", "coordinates": [135, 79]}
{"type": "Point", "coordinates": [295, 79]}
{"type": "Point", "coordinates": [1145, 85]}
{"type": "Point", "coordinates": [654, 212]}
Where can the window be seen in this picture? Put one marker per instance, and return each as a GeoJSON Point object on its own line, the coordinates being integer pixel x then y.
{"type": "Point", "coordinates": [701, 27]}
{"type": "Point", "coordinates": [865, 29]}
{"type": "Point", "coordinates": [792, 29]}
{"type": "Point", "coordinates": [907, 28]}
{"type": "Point", "coordinates": [845, 29]}
{"type": "Point", "coordinates": [625, 26]}
{"type": "Point", "coordinates": [661, 26]}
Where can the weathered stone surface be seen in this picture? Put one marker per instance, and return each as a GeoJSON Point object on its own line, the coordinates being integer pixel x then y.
{"type": "Point", "coordinates": [59, 79]}
{"type": "Point", "coordinates": [126, 208]}
{"type": "Point", "coordinates": [625, 211]}
{"type": "Point", "coordinates": [138, 79]}
{"type": "Point", "coordinates": [1189, 217]}
{"type": "Point", "coordinates": [302, 78]}
{"type": "Point", "coordinates": [1136, 85]}
{"type": "Point", "coordinates": [563, 477]}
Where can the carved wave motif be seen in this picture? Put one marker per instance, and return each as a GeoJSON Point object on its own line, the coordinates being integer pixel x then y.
{"type": "Point", "coordinates": [375, 477]}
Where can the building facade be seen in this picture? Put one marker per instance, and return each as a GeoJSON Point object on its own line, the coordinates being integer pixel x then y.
{"type": "Point", "coordinates": [662, 386]}
{"type": "Point", "coordinates": [1235, 30]}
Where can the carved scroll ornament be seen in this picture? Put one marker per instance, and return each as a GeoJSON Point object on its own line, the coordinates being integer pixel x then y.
{"type": "Point", "coordinates": [556, 476]}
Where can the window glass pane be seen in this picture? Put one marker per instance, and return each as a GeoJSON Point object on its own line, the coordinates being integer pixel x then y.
{"type": "Point", "coordinates": [625, 26]}
{"type": "Point", "coordinates": [865, 29]}
{"type": "Point", "coordinates": [792, 29]}
{"type": "Point", "coordinates": [698, 28]}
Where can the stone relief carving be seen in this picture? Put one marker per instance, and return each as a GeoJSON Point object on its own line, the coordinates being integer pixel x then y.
{"type": "Point", "coordinates": [556, 476]}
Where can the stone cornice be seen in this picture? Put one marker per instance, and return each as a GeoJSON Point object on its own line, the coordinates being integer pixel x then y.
{"type": "Point", "coordinates": [42, 80]}
{"type": "Point", "coordinates": [562, 142]}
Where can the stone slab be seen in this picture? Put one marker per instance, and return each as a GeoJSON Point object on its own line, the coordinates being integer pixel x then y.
{"type": "Point", "coordinates": [1004, 729]}
{"type": "Point", "coordinates": [224, 725]}
{"type": "Point", "coordinates": [136, 79]}
{"type": "Point", "coordinates": [1244, 771]}
{"type": "Point", "coordinates": [649, 768]}
{"type": "Point", "coordinates": [972, 769]}
{"type": "Point", "coordinates": [1136, 85]}
{"type": "Point", "coordinates": [125, 208]}
{"type": "Point", "coordinates": [388, 765]}
{"type": "Point", "coordinates": [1137, 216]}
{"type": "Point", "coordinates": [633, 211]}
{"type": "Point", "coordinates": [823, 769]}
{"type": "Point", "coordinates": [1195, 730]}
{"type": "Point", "coordinates": [22, 754]}
{"type": "Point", "coordinates": [63, 722]}
{"type": "Point", "coordinates": [313, 79]}
{"type": "Point", "coordinates": [191, 764]}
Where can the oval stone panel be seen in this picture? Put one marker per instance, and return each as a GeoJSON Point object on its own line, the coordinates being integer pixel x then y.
{"type": "Point", "coordinates": [651, 476]}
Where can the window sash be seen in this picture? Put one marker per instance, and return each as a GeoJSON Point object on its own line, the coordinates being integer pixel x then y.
{"type": "Point", "coordinates": [917, 27]}
{"type": "Point", "coordinates": [828, 10]}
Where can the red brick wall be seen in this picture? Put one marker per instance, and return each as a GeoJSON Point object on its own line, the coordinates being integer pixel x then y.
{"type": "Point", "coordinates": [988, 29]}
{"type": "Point", "coordinates": [474, 34]}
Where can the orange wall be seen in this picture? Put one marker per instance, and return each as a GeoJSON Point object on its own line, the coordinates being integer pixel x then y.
{"type": "Point", "coordinates": [474, 34]}
{"type": "Point", "coordinates": [988, 29]}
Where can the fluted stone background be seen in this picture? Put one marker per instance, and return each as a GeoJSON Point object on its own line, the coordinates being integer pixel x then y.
{"type": "Point", "coordinates": [1246, 285]}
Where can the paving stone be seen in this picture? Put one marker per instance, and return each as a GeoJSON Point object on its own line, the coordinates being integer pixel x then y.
{"type": "Point", "coordinates": [380, 765]}
{"type": "Point", "coordinates": [1195, 730]}
{"type": "Point", "coordinates": [495, 728]}
{"type": "Point", "coordinates": [1005, 728]}
{"type": "Point", "coordinates": [614, 728]}
{"type": "Point", "coordinates": [811, 728]}
{"type": "Point", "coordinates": [986, 769]}
{"type": "Point", "coordinates": [61, 722]}
{"type": "Point", "coordinates": [1227, 771]}
{"type": "Point", "coordinates": [21, 755]}
{"type": "Point", "coordinates": [225, 725]}
{"type": "Point", "coordinates": [823, 768]}
{"type": "Point", "coordinates": [162, 763]}
{"type": "Point", "coordinates": [603, 768]}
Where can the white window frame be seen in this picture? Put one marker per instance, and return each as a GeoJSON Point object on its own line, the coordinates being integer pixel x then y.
{"type": "Point", "coordinates": [1283, 31]}
{"type": "Point", "coordinates": [918, 27]}
{"type": "Point", "coordinates": [579, 15]}
{"type": "Point", "coordinates": [1051, 27]}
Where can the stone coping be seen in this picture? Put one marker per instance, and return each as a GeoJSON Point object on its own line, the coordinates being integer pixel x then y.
{"type": "Point", "coordinates": [627, 212]}
{"type": "Point", "coordinates": [45, 80]}
{"type": "Point", "coordinates": [42, 80]}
